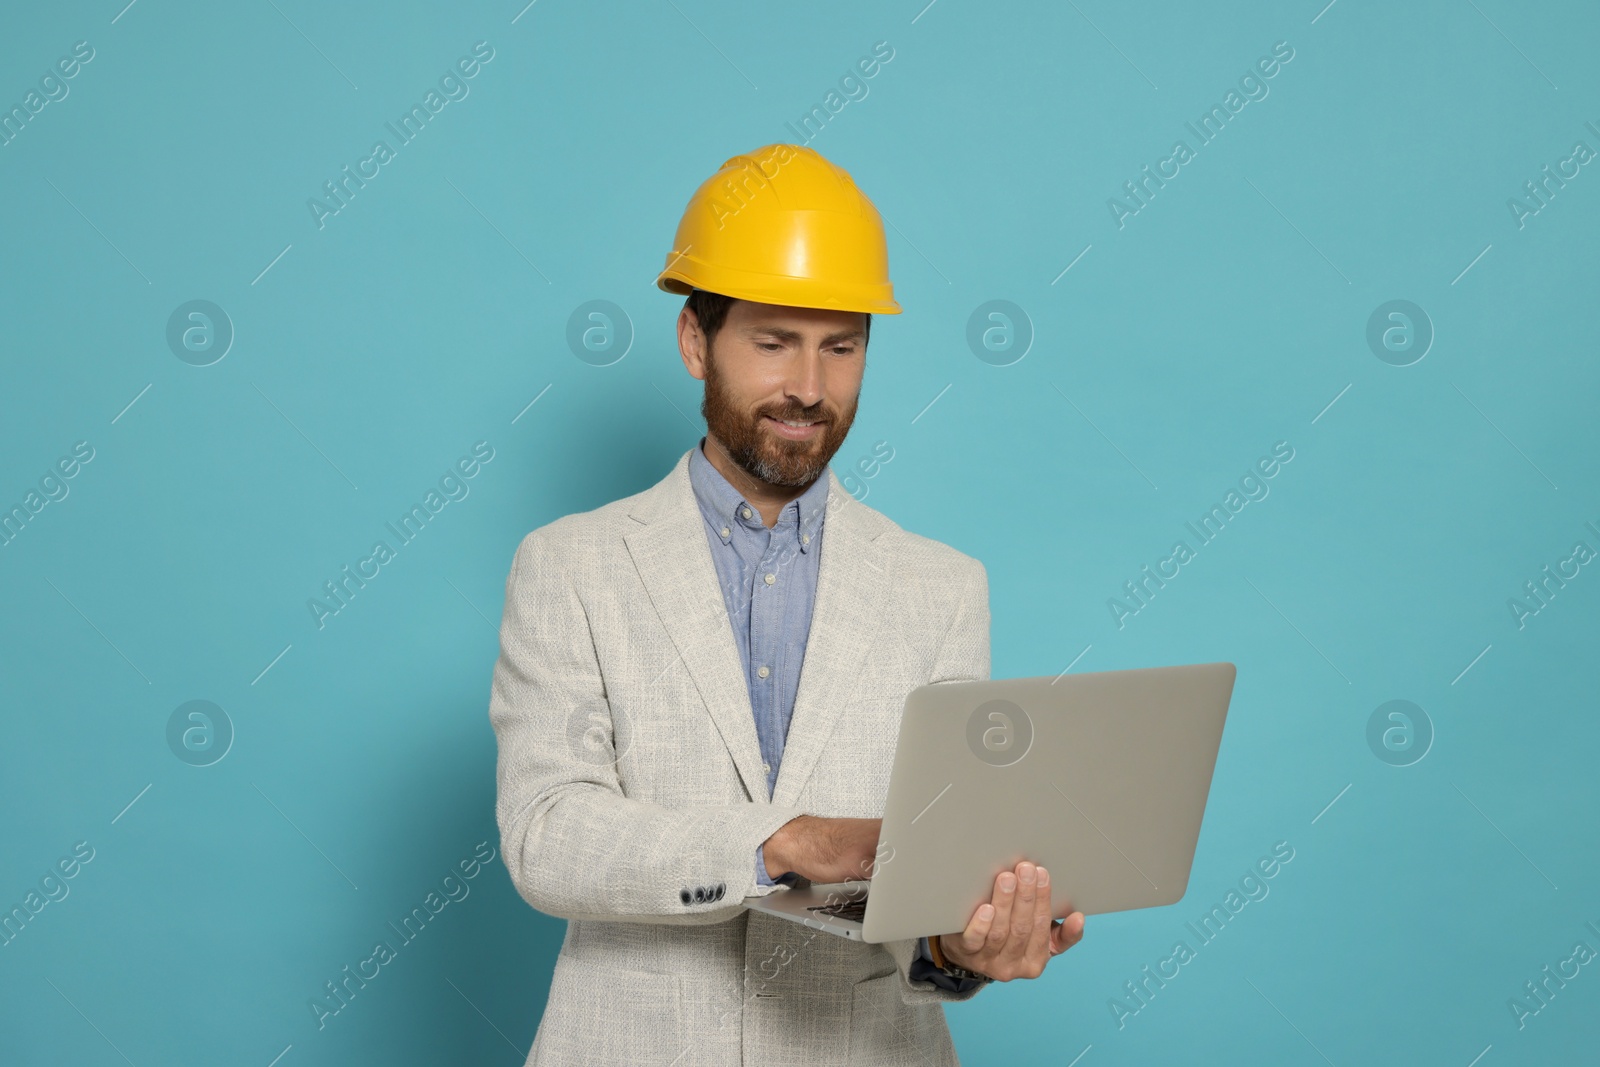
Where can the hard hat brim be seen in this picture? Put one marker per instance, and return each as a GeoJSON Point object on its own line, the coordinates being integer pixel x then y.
{"type": "Point", "coordinates": [776, 289]}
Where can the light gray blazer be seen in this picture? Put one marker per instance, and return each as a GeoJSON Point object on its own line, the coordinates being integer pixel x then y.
{"type": "Point", "coordinates": [631, 797]}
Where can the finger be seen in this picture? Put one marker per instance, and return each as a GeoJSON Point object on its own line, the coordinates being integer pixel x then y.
{"type": "Point", "coordinates": [1022, 910]}
{"type": "Point", "coordinates": [977, 931]}
{"type": "Point", "coordinates": [1069, 933]}
{"type": "Point", "coordinates": [1005, 891]}
{"type": "Point", "coordinates": [1038, 950]}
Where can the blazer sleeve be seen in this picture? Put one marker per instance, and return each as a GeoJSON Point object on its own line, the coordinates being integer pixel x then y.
{"type": "Point", "coordinates": [963, 655]}
{"type": "Point", "coordinates": [575, 846]}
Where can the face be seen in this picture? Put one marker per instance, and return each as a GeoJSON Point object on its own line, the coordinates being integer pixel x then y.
{"type": "Point", "coordinates": [770, 363]}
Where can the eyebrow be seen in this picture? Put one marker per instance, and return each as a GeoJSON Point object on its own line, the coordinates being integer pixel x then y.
{"type": "Point", "coordinates": [783, 333]}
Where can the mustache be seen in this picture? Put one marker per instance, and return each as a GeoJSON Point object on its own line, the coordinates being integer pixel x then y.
{"type": "Point", "coordinates": [798, 416]}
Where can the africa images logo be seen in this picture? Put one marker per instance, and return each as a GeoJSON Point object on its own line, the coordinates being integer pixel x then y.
{"type": "Point", "coordinates": [999, 732]}
{"type": "Point", "coordinates": [453, 84]}
{"type": "Point", "coordinates": [1141, 190]}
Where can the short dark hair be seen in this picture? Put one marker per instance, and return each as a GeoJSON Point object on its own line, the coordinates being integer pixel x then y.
{"type": "Point", "coordinates": [711, 310]}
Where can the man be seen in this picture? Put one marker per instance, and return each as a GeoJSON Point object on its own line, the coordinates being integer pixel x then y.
{"type": "Point", "coordinates": [699, 686]}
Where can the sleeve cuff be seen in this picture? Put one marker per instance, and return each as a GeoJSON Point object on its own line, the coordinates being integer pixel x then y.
{"type": "Point", "coordinates": [923, 969]}
{"type": "Point", "coordinates": [762, 877]}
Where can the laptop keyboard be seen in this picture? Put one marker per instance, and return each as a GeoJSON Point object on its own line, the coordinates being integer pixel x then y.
{"type": "Point", "coordinates": [854, 910]}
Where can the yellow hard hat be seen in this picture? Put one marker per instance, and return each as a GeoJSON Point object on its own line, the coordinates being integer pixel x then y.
{"type": "Point", "coordinates": [782, 225]}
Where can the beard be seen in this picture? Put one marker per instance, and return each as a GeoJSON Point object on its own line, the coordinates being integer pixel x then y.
{"type": "Point", "coordinates": [758, 449]}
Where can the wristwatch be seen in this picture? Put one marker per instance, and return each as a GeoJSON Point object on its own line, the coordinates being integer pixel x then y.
{"type": "Point", "coordinates": [950, 968]}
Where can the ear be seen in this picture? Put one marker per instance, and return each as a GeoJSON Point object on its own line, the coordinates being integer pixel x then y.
{"type": "Point", "coordinates": [692, 343]}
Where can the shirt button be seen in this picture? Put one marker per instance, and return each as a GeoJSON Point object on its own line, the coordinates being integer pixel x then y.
{"type": "Point", "coordinates": [763, 672]}
{"type": "Point", "coordinates": [805, 539]}
{"type": "Point", "coordinates": [745, 513]}
{"type": "Point", "coordinates": [724, 531]}
{"type": "Point", "coordinates": [766, 769]}
{"type": "Point", "coordinates": [771, 578]}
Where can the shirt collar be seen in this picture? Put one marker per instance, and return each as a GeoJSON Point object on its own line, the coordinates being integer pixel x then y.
{"type": "Point", "coordinates": [724, 506]}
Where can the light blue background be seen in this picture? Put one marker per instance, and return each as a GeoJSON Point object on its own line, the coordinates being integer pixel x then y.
{"type": "Point", "coordinates": [1227, 315]}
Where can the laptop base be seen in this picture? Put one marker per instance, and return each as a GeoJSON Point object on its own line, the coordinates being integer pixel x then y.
{"type": "Point", "coordinates": [832, 907]}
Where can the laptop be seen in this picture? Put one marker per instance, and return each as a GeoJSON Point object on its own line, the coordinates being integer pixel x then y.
{"type": "Point", "coordinates": [1102, 778]}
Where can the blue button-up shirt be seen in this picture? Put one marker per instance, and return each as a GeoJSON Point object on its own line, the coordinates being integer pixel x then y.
{"type": "Point", "coordinates": [768, 577]}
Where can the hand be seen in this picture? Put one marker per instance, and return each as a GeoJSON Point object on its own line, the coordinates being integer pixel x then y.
{"type": "Point", "coordinates": [823, 850]}
{"type": "Point", "coordinates": [1012, 936]}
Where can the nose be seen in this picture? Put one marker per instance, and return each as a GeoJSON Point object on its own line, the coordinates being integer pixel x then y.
{"type": "Point", "coordinates": [805, 379]}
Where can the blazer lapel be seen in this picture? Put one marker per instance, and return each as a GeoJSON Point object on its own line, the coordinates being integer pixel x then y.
{"type": "Point", "coordinates": [846, 617]}
{"type": "Point", "coordinates": [673, 558]}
